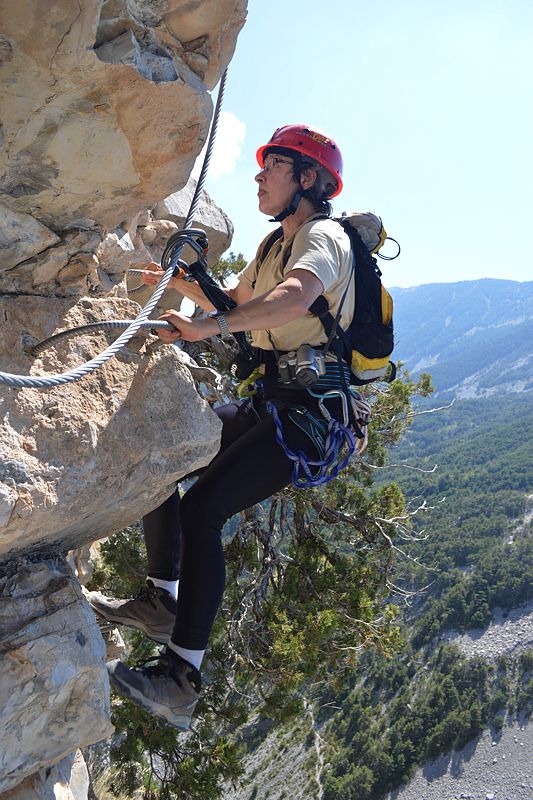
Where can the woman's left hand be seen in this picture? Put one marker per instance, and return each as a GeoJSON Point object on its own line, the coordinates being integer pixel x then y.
{"type": "Point", "coordinates": [151, 274]}
{"type": "Point", "coordinates": [189, 329]}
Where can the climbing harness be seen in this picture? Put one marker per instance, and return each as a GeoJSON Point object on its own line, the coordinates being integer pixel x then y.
{"type": "Point", "coordinates": [335, 441]}
{"type": "Point", "coordinates": [173, 251]}
{"type": "Point", "coordinates": [338, 448]}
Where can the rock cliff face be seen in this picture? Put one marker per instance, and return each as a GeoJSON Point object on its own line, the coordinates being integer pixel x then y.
{"type": "Point", "coordinates": [105, 107]}
{"type": "Point", "coordinates": [52, 685]}
{"type": "Point", "coordinates": [83, 460]}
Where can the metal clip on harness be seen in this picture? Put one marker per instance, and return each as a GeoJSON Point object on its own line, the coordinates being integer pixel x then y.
{"type": "Point", "coordinates": [338, 449]}
{"type": "Point", "coordinates": [333, 393]}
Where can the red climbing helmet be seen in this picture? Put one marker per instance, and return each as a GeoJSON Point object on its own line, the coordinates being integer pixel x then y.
{"type": "Point", "coordinates": [311, 143]}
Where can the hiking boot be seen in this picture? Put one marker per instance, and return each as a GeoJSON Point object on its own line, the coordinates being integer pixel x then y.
{"type": "Point", "coordinates": [169, 688]}
{"type": "Point", "coordinates": [152, 611]}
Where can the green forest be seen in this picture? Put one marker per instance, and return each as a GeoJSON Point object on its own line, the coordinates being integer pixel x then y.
{"type": "Point", "coordinates": [484, 459]}
{"type": "Point", "coordinates": [473, 555]}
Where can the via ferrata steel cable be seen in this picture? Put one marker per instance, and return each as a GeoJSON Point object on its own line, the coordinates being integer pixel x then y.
{"type": "Point", "coordinates": [93, 327]}
{"type": "Point", "coordinates": [49, 381]}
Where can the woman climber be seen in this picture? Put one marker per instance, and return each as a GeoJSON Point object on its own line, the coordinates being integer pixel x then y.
{"type": "Point", "coordinates": [303, 397]}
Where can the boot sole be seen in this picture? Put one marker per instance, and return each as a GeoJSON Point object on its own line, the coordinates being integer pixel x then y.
{"type": "Point", "coordinates": [160, 638]}
{"type": "Point", "coordinates": [178, 721]}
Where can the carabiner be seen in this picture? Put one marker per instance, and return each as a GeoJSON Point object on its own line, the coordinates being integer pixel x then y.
{"type": "Point", "coordinates": [329, 395]}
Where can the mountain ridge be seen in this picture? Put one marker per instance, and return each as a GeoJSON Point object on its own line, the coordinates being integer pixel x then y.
{"type": "Point", "coordinates": [473, 336]}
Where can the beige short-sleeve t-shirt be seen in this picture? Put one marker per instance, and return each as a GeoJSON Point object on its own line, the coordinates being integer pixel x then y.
{"type": "Point", "coordinates": [322, 247]}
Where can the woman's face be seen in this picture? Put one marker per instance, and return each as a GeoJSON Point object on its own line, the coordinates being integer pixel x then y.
{"type": "Point", "coordinates": [276, 184]}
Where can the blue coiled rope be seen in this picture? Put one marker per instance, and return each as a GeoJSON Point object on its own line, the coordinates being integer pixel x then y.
{"type": "Point", "coordinates": [339, 438]}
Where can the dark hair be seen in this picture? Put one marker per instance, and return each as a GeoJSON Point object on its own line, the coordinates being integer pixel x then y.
{"type": "Point", "coordinates": [317, 194]}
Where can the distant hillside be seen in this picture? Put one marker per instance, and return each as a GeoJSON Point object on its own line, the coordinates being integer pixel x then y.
{"type": "Point", "coordinates": [410, 716]}
{"type": "Point", "coordinates": [474, 337]}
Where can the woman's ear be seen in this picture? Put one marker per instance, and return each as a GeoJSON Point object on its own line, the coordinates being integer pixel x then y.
{"type": "Point", "coordinates": [308, 177]}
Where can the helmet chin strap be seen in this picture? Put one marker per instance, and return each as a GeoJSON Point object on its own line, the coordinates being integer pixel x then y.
{"type": "Point", "coordinates": [291, 208]}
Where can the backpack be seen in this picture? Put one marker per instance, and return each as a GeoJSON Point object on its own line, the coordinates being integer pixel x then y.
{"type": "Point", "coordinates": [367, 344]}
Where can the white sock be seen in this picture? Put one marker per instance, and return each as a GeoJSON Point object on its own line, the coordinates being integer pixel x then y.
{"type": "Point", "coordinates": [194, 657]}
{"type": "Point", "coordinates": [169, 586]}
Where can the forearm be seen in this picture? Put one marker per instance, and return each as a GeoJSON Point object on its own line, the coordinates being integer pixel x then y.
{"type": "Point", "coordinates": [277, 307]}
{"type": "Point", "coordinates": [193, 292]}
{"type": "Point", "coordinates": [285, 302]}
{"type": "Point", "coordinates": [280, 305]}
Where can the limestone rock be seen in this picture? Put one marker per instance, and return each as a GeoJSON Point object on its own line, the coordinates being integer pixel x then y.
{"type": "Point", "coordinates": [105, 107]}
{"type": "Point", "coordinates": [166, 218]}
{"type": "Point", "coordinates": [54, 691]}
{"type": "Point", "coordinates": [80, 263]}
{"type": "Point", "coordinates": [125, 49]}
{"type": "Point", "coordinates": [202, 33]}
{"type": "Point", "coordinates": [115, 253]}
{"type": "Point", "coordinates": [210, 217]}
{"type": "Point", "coordinates": [81, 561]}
{"type": "Point", "coordinates": [115, 646]}
{"type": "Point", "coordinates": [156, 233]}
{"type": "Point", "coordinates": [67, 780]}
{"type": "Point", "coordinates": [84, 460]}
{"type": "Point", "coordinates": [45, 269]}
{"type": "Point", "coordinates": [102, 113]}
{"type": "Point", "coordinates": [21, 237]}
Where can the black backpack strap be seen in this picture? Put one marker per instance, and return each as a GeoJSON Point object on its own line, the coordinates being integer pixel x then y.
{"type": "Point", "coordinates": [267, 247]}
{"type": "Point", "coordinates": [338, 340]}
{"type": "Point", "coordinates": [269, 244]}
{"type": "Point", "coordinates": [320, 309]}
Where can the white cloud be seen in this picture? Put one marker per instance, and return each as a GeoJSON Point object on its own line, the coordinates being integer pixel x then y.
{"type": "Point", "coordinates": [227, 148]}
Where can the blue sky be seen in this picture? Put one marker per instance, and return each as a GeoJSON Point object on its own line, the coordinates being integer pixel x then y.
{"type": "Point", "coordinates": [431, 105]}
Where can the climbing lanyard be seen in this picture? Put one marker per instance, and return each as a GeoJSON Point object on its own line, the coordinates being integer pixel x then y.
{"type": "Point", "coordinates": [197, 271]}
{"type": "Point", "coordinates": [338, 449]}
{"type": "Point", "coordinates": [335, 441]}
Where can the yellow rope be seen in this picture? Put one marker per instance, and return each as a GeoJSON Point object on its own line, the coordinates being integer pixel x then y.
{"type": "Point", "coordinates": [247, 388]}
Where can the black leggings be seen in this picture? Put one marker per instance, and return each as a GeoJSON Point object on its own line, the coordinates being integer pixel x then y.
{"type": "Point", "coordinates": [249, 467]}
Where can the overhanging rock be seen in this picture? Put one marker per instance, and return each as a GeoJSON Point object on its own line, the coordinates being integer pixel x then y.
{"type": "Point", "coordinates": [94, 130]}
{"type": "Point", "coordinates": [106, 106]}
{"type": "Point", "coordinates": [213, 220]}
